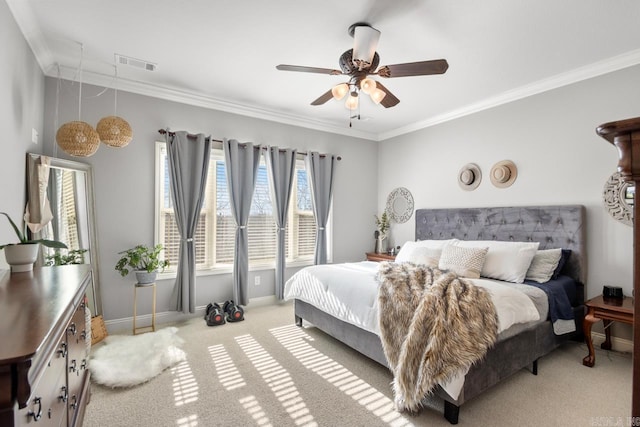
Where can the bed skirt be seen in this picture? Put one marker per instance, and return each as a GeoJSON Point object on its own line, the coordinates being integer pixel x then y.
{"type": "Point", "coordinates": [503, 360]}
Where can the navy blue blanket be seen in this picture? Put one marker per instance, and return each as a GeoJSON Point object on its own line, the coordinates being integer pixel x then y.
{"type": "Point", "coordinates": [560, 292]}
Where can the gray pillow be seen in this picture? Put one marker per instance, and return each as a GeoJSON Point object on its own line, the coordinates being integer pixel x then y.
{"type": "Point", "coordinates": [543, 265]}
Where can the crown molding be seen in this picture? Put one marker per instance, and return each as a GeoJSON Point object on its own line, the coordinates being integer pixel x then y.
{"type": "Point", "coordinates": [199, 100]}
{"type": "Point", "coordinates": [25, 18]}
{"type": "Point", "coordinates": [610, 65]}
{"type": "Point", "coordinates": [590, 71]}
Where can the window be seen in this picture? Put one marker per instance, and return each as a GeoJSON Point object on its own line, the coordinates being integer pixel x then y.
{"type": "Point", "coordinates": [215, 234]}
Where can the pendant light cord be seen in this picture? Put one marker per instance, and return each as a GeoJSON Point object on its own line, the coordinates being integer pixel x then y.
{"type": "Point", "coordinates": [115, 97]}
{"type": "Point", "coordinates": [56, 116]}
{"type": "Point", "coordinates": [80, 79]}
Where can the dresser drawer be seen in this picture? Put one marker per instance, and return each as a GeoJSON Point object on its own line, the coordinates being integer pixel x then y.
{"type": "Point", "coordinates": [77, 336]}
{"type": "Point", "coordinates": [47, 405]}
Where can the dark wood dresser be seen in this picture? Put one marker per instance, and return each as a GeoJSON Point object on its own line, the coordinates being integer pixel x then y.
{"type": "Point", "coordinates": [44, 380]}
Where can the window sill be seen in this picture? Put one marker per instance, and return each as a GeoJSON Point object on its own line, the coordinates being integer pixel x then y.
{"type": "Point", "coordinates": [229, 270]}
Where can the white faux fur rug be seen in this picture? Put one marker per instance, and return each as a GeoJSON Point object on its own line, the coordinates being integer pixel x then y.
{"type": "Point", "coordinates": [125, 361]}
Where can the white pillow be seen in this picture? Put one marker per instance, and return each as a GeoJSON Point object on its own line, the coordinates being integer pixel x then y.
{"type": "Point", "coordinates": [508, 261]}
{"type": "Point", "coordinates": [425, 256]}
{"type": "Point", "coordinates": [543, 265]}
{"type": "Point", "coordinates": [406, 251]}
{"type": "Point", "coordinates": [465, 262]}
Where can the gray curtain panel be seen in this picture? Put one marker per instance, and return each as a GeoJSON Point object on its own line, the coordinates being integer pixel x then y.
{"type": "Point", "coordinates": [320, 169]}
{"type": "Point", "coordinates": [281, 164]}
{"type": "Point", "coordinates": [241, 161]}
{"type": "Point", "coordinates": [188, 167]}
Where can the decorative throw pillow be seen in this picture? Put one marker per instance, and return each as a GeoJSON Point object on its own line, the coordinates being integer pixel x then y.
{"type": "Point", "coordinates": [425, 256]}
{"type": "Point", "coordinates": [406, 251]}
{"type": "Point", "coordinates": [508, 261]}
{"type": "Point", "coordinates": [465, 262]}
{"type": "Point", "coordinates": [543, 265]}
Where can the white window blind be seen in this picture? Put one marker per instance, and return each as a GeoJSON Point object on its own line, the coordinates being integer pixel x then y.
{"type": "Point", "coordinates": [215, 234]}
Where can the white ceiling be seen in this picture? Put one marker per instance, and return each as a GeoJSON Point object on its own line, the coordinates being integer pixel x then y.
{"type": "Point", "coordinates": [222, 54]}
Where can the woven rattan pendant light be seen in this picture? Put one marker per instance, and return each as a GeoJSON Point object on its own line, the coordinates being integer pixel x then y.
{"type": "Point", "coordinates": [78, 138]}
{"type": "Point", "coordinates": [113, 130]}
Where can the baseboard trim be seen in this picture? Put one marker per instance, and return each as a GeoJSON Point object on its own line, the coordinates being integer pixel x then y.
{"type": "Point", "coordinates": [617, 344]}
{"type": "Point", "coordinates": [125, 324]}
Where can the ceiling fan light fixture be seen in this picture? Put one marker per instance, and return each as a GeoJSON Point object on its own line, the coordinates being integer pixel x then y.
{"type": "Point", "coordinates": [352, 101]}
{"type": "Point", "coordinates": [340, 91]}
{"type": "Point", "coordinates": [378, 95]}
{"type": "Point", "coordinates": [368, 85]}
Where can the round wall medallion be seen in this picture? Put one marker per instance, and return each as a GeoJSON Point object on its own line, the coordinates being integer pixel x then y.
{"type": "Point", "coordinates": [400, 205]}
{"type": "Point", "coordinates": [618, 197]}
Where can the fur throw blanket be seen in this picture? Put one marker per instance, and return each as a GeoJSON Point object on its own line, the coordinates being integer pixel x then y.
{"type": "Point", "coordinates": [433, 324]}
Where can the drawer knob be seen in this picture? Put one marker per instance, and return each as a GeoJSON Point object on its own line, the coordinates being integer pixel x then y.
{"type": "Point", "coordinates": [72, 329]}
{"type": "Point", "coordinates": [65, 395]}
{"type": "Point", "coordinates": [73, 365]}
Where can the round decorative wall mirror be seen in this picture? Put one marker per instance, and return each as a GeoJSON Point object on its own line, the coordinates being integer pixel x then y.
{"type": "Point", "coordinates": [618, 197]}
{"type": "Point", "coordinates": [400, 205]}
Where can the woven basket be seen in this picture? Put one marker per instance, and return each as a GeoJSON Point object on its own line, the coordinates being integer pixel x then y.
{"type": "Point", "coordinates": [78, 139]}
{"type": "Point", "coordinates": [98, 329]}
{"type": "Point", "coordinates": [114, 131]}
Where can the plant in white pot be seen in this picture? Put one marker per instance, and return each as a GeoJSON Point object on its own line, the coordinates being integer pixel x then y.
{"type": "Point", "coordinates": [21, 256]}
{"type": "Point", "coordinates": [144, 260]}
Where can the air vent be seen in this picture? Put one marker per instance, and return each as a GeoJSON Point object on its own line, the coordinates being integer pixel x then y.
{"type": "Point", "coordinates": [136, 63]}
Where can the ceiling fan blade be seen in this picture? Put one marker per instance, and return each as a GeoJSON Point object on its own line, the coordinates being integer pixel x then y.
{"type": "Point", "coordinates": [324, 98]}
{"type": "Point", "coordinates": [423, 68]}
{"type": "Point", "coordinates": [304, 69]}
{"type": "Point", "coordinates": [390, 99]}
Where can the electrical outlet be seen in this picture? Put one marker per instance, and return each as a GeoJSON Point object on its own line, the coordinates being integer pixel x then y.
{"type": "Point", "coordinates": [34, 136]}
{"type": "Point", "coordinates": [257, 280]}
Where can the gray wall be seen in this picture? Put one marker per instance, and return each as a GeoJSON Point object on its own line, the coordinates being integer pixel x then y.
{"type": "Point", "coordinates": [561, 160]}
{"type": "Point", "coordinates": [21, 109]}
{"type": "Point", "coordinates": [124, 183]}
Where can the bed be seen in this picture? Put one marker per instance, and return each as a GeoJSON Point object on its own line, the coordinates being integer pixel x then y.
{"type": "Point", "coordinates": [552, 226]}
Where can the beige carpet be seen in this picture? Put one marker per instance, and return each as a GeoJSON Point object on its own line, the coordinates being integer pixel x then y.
{"type": "Point", "coordinates": [265, 371]}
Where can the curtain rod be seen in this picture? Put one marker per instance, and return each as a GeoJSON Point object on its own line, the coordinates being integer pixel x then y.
{"type": "Point", "coordinates": [192, 136]}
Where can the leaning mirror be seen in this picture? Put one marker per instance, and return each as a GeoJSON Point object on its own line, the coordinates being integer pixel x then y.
{"type": "Point", "coordinates": [64, 190]}
{"type": "Point", "coordinates": [400, 205]}
{"type": "Point", "coordinates": [618, 196]}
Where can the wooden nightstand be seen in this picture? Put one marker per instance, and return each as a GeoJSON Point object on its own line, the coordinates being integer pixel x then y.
{"type": "Point", "coordinates": [607, 311]}
{"type": "Point", "coordinates": [372, 256]}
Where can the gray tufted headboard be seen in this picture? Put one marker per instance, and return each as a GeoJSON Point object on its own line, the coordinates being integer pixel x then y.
{"type": "Point", "coordinates": [553, 226]}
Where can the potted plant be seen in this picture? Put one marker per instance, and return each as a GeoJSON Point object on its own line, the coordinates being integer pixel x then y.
{"type": "Point", "coordinates": [144, 260]}
{"type": "Point", "coordinates": [382, 225]}
{"type": "Point", "coordinates": [73, 256]}
{"type": "Point", "coordinates": [21, 256]}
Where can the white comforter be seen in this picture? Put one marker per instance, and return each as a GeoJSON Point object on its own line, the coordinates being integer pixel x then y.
{"type": "Point", "coordinates": [350, 292]}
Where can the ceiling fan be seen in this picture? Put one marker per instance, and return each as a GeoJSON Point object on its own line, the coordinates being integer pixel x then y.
{"type": "Point", "coordinates": [361, 62]}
